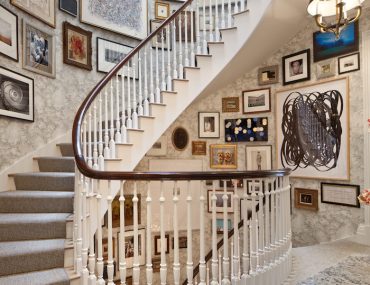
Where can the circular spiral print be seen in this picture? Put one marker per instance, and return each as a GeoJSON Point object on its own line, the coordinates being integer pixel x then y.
{"type": "Point", "coordinates": [12, 97]}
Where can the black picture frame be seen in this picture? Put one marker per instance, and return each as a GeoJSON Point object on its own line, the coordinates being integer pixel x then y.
{"type": "Point", "coordinates": [69, 6]}
{"type": "Point", "coordinates": [180, 138]}
{"type": "Point", "coordinates": [355, 187]}
{"type": "Point", "coordinates": [297, 67]}
{"type": "Point", "coordinates": [342, 69]}
{"type": "Point", "coordinates": [16, 47]}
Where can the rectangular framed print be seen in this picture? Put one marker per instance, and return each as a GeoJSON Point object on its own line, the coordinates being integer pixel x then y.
{"type": "Point", "coordinates": [258, 157]}
{"type": "Point", "coordinates": [223, 156]}
{"type": "Point", "coordinates": [256, 101]}
{"type": "Point", "coordinates": [38, 50]}
{"type": "Point", "coordinates": [128, 244]}
{"type": "Point", "coordinates": [209, 124]}
{"type": "Point", "coordinates": [296, 67]}
{"type": "Point", "coordinates": [307, 199]}
{"type": "Point", "coordinates": [220, 225]}
{"type": "Point", "coordinates": [8, 33]}
{"type": "Point", "coordinates": [68, 6]}
{"type": "Point", "coordinates": [340, 194]}
{"type": "Point", "coordinates": [42, 10]}
{"type": "Point", "coordinates": [124, 17]}
{"type": "Point", "coordinates": [17, 93]}
{"type": "Point", "coordinates": [157, 39]}
{"type": "Point", "coordinates": [230, 104]}
{"type": "Point", "coordinates": [198, 147]}
{"type": "Point", "coordinates": [161, 10]}
{"type": "Point", "coordinates": [158, 244]}
{"type": "Point", "coordinates": [268, 75]}
{"type": "Point", "coordinates": [325, 69]}
{"type": "Point", "coordinates": [220, 202]}
{"type": "Point", "coordinates": [246, 129]}
{"type": "Point", "coordinates": [349, 63]}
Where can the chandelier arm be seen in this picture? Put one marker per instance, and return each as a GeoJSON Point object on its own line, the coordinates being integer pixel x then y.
{"type": "Point", "coordinates": [358, 14]}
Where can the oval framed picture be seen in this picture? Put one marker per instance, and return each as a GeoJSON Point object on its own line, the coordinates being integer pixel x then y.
{"type": "Point", "coordinates": [180, 138]}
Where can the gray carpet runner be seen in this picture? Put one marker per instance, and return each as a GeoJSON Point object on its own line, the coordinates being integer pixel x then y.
{"type": "Point", "coordinates": [33, 223]}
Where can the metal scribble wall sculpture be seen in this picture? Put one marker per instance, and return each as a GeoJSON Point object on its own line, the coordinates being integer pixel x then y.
{"type": "Point", "coordinates": [312, 130]}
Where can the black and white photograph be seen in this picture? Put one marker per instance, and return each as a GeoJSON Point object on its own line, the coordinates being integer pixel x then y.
{"type": "Point", "coordinates": [209, 125]}
{"type": "Point", "coordinates": [16, 95]}
{"type": "Point", "coordinates": [349, 63]}
{"type": "Point", "coordinates": [256, 101]}
{"type": "Point", "coordinates": [305, 198]}
{"type": "Point", "coordinates": [258, 157]}
{"type": "Point", "coordinates": [128, 244]}
{"type": "Point", "coordinates": [220, 202]}
{"type": "Point", "coordinates": [68, 6]}
{"type": "Point", "coordinates": [157, 40]}
{"type": "Point", "coordinates": [8, 33]}
{"type": "Point", "coordinates": [296, 67]}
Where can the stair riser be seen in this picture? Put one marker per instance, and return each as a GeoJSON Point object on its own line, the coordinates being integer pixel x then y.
{"type": "Point", "coordinates": [69, 230]}
{"type": "Point", "coordinates": [68, 257]}
{"type": "Point", "coordinates": [66, 150]}
{"type": "Point", "coordinates": [44, 183]}
{"type": "Point", "coordinates": [56, 165]}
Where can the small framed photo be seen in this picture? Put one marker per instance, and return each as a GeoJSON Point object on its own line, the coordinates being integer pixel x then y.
{"type": "Point", "coordinates": [306, 199]}
{"type": "Point", "coordinates": [199, 148]}
{"type": "Point", "coordinates": [180, 138]}
{"type": "Point", "coordinates": [129, 211]}
{"type": "Point", "coordinates": [42, 10]}
{"type": "Point", "coordinates": [340, 194]}
{"type": "Point", "coordinates": [76, 46]}
{"type": "Point", "coordinates": [157, 40]}
{"type": "Point", "coordinates": [17, 94]}
{"type": "Point", "coordinates": [230, 104]}
{"type": "Point", "coordinates": [209, 125]}
{"type": "Point", "coordinates": [349, 63]}
{"type": "Point", "coordinates": [256, 101]}
{"type": "Point", "coordinates": [230, 183]}
{"type": "Point", "coordinates": [223, 156]}
{"type": "Point", "coordinates": [268, 75]}
{"type": "Point", "coordinates": [296, 67]}
{"type": "Point", "coordinates": [8, 33]}
{"type": "Point", "coordinates": [220, 201]}
{"type": "Point", "coordinates": [159, 148]}
{"type": "Point", "coordinates": [258, 157]}
{"type": "Point", "coordinates": [128, 244]}
{"type": "Point", "coordinates": [325, 69]}
{"type": "Point", "coordinates": [157, 244]}
{"type": "Point", "coordinates": [162, 10]}
{"type": "Point", "coordinates": [220, 225]}
{"type": "Point", "coordinates": [183, 242]}
{"type": "Point", "coordinates": [68, 6]}
{"type": "Point", "coordinates": [38, 51]}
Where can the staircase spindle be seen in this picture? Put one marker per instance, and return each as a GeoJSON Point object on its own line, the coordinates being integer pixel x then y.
{"type": "Point", "coordinates": [149, 267]}
{"type": "Point", "coordinates": [214, 237]}
{"type": "Point", "coordinates": [99, 260]}
{"type": "Point", "coordinates": [129, 110]}
{"type": "Point", "coordinates": [246, 228]}
{"type": "Point", "coordinates": [110, 266]}
{"type": "Point", "coordinates": [186, 44]}
{"type": "Point", "coordinates": [225, 263]}
{"type": "Point", "coordinates": [78, 213]}
{"type": "Point", "coordinates": [123, 111]}
{"type": "Point", "coordinates": [151, 76]}
{"type": "Point", "coordinates": [121, 246]}
{"type": "Point", "coordinates": [84, 252]}
{"type": "Point", "coordinates": [176, 261]}
{"type": "Point", "coordinates": [163, 269]}
{"type": "Point", "coordinates": [146, 90]}
{"type": "Point", "coordinates": [91, 263]}
{"type": "Point", "coordinates": [112, 143]}
{"type": "Point", "coordinates": [236, 257]}
{"type": "Point", "coordinates": [163, 42]}
{"type": "Point", "coordinates": [181, 67]}
{"type": "Point", "coordinates": [100, 125]}
{"type": "Point", "coordinates": [204, 42]}
{"type": "Point", "coordinates": [134, 115]}
{"type": "Point", "coordinates": [95, 142]}
{"type": "Point", "coordinates": [140, 109]}
{"type": "Point", "coordinates": [106, 128]}
{"type": "Point", "coordinates": [217, 26]}
{"type": "Point", "coordinates": [175, 73]}
{"type": "Point", "coordinates": [168, 39]}
{"type": "Point", "coordinates": [118, 137]}
{"type": "Point", "coordinates": [189, 263]}
{"type": "Point", "coordinates": [202, 262]}
{"type": "Point", "coordinates": [136, 263]}
{"type": "Point", "coordinates": [236, 7]}
{"type": "Point", "coordinates": [223, 22]}
{"type": "Point", "coordinates": [261, 233]}
{"type": "Point", "coordinates": [157, 97]}
{"type": "Point", "coordinates": [210, 22]}
{"type": "Point", "coordinates": [199, 47]}
{"type": "Point", "coordinates": [267, 225]}
{"type": "Point", "coordinates": [229, 24]}
{"type": "Point", "coordinates": [254, 233]}
{"type": "Point", "coordinates": [89, 140]}
{"type": "Point", "coordinates": [273, 220]}
{"type": "Point", "coordinates": [192, 51]}
{"type": "Point", "coordinates": [242, 5]}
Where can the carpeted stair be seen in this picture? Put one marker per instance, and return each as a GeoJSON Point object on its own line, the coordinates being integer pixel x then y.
{"type": "Point", "coordinates": [33, 223]}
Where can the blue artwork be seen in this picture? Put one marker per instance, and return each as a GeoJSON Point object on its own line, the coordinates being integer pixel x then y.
{"type": "Point", "coordinates": [326, 45]}
{"type": "Point", "coordinates": [246, 130]}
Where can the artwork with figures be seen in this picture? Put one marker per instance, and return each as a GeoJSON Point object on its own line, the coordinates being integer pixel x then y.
{"type": "Point", "coordinates": [223, 156]}
{"type": "Point", "coordinates": [312, 134]}
{"type": "Point", "coordinates": [246, 130]}
{"type": "Point", "coordinates": [128, 244]}
{"type": "Point", "coordinates": [258, 157]}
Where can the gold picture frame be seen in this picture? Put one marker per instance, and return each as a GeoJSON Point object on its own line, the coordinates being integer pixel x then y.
{"type": "Point", "coordinates": [161, 10]}
{"type": "Point", "coordinates": [223, 156]}
{"type": "Point", "coordinates": [198, 147]}
{"type": "Point", "coordinates": [230, 104]}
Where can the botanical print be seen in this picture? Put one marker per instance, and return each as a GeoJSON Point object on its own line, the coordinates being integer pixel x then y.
{"type": "Point", "coordinates": [77, 47]}
{"type": "Point", "coordinates": [5, 32]}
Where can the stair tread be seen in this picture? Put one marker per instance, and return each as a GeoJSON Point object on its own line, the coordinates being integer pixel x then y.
{"type": "Point", "coordinates": [9, 218]}
{"type": "Point", "coordinates": [44, 174]}
{"type": "Point", "coordinates": [54, 157]}
{"type": "Point", "coordinates": [29, 247]}
{"type": "Point", "coordinates": [41, 194]}
{"type": "Point", "coordinates": [55, 276]}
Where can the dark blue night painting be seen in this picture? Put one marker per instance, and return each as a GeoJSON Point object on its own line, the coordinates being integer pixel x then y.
{"type": "Point", "coordinates": [246, 130]}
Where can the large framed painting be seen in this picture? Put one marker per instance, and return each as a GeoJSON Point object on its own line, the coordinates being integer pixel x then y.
{"type": "Point", "coordinates": [326, 45]}
{"type": "Point", "coordinates": [16, 93]}
{"type": "Point", "coordinates": [124, 17]}
{"type": "Point", "coordinates": [8, 33]}
{"type": "Point", "coordinates": [38, 50]}
{"type": "Point", "coordinates": [246, 129]}
{"type": "Point", "coordinates": [43, 10]}
{"type": "Point", "coordinates": [313, 130]}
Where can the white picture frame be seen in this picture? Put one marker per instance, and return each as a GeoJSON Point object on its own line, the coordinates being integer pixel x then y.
{"type": "Point", "coordinates": [8, 33]}
{"type": "Point", "coordinates": [128, 245]}
{"type": "Point", "coordinates": [219, 201]}
{"type": "Point", "coordinates": [325, 69]}
{"type": "Point", "coordinates": [258, 157]}
{"type": "Point", "coordinates": [208, 124]}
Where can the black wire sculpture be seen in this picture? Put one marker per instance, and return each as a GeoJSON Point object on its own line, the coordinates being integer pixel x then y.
{"type": "Point", "coordinates": [312, 130]}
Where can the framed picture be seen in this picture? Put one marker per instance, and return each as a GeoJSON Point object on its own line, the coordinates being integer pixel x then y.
{"type": "Point", "coordinates": [105, 248]}
{"type": "Point", "coordinates": [258, 157]}
{"type": "Point", "coordinates": [230, 104]}
{"type": "Point", "coordinates": [128, 243]}
{"type": "Point", "coordinates": [325, 69]}
{"type": "Point", "coordinates": [198, 147]}
{"type": "Point", "coordinates": [349, 63]}
{"type": "Point", "coordinates": [118, 16]}
{"type": "Point", "coordinates": [157, 244]}
{"type": "Point", "coordinates": [76, 46]}
{"type": "Point", "coordinates": [17, 94]}
{"type": "Point", "coordinates": [268, 75]}
{"type": "Point", "coordinates": [326, 45]}
{"type": "Point", "coordinates": [186, 29]}
{"type": "Point", "coordinates": [162, 10]}
{"type": "Point", "coordinates": [306, 199]}
{"type": "Point", "coordinates": [38, 51]}
{"type": "Point", "coordinates": [183, 242]}
{"type": "Point", "coordinates": [110, 53]}
{"type": "Point", "coordinates": [296, 67]}
{"type": "Point", "coordinates": [307, 135]}
{"type": "Point", "coordinates": [220, 202]}
{"type": "Point", "coordinates": [156, 264]}
{"type": "Point", "coordinates": [340, 194]}
{"type": "Point", "coordinates": [68, 6]}
{"type": "Point", "coordinates": [209, 125]}
{"type": "Point", "coordinates": [256, 101]}
{"type": "Point", "coordinates": [206, 23]}
{"type": "Point", "coordinates": [42, 10]}
{"type": "Point", "coordinates": [157, 40]}
{"type": "Point", "coordinates": [223, 156]}
{"type": "Point", "coordinates": [246, 130]}
{"type": "Point", "coordinates": [220, 225]}
{"type": "Point", "coordinates": [159, 148]}
{"type": "Point", "coordinates": [180, 138]}
{"type": "Point", "coordinates": [8, 33]}
{"type": "Point", "coordinates": [231, 182]}
{"type": "Point", "coordinates": [129, 211]}
{"type": "Point", "coordinates": [105, 270]}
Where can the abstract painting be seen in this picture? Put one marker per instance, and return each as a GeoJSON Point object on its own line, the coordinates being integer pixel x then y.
{"type": "Point", "coordinates": [246, 129]}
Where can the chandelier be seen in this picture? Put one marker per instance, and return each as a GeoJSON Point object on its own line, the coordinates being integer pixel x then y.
{"type": "Point", "coordinates": [334, 15]}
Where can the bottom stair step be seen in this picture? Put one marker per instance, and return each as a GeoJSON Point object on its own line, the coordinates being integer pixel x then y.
{"type": "Point", "coordinates": [57, 276]}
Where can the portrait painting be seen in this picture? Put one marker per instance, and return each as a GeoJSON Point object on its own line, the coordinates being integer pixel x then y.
{"type": "Point", "coordinates": [296, 67]}
{"type": "Point", "coordinates": [44, 10]}
{"type": "Point", "coordinates": [8, 33]}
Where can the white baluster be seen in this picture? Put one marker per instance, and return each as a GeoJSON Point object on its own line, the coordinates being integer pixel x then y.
{"type": "Point", "coordinates": [136, 263]}
{"type": "Point", "coordinates": [214, 238]}
{"type": "Point", "coordinates": [236, 7]}
{"type": "Point", "coordinates": [267, 227]}
{"type": "Point", "coordinates": [95, 143]}
{"type": "Point", "coordinates": [100, 262]}
{"type": "Point", "coordinates": [101, 145]}
{"type": "Point", "coordinates": [110, 266]}
{"type": "Point", "coordinates": [202, 263]}
{"type": "Point", "coordinates": [168, 38]}
{"type": "Point", "coordinates": [112, 143]}
{"type": "Point", "coordinates": [189, 263]}
{"type": "Point", "coordinates": [236, 261]}
{"type": "Point", "coordinates": [229, 24]}
{"type": "Point", "coordinates": [219, 268]}
{"type": "Point", "coordinates": [225, 263]}
{"type": "Point", "coordinates": [118, 136]}
{"type": "Point", "coordinates": [176, 262]}
{"type": "Point", "coordinates": [210, 22]}
{"type": "Point", "coordinates": [253, 235]}
{"type": "Point", "coordinates": [89, 140]}
{"type": "Point", "coordinates": [217, 26]}
{"type": "Point", "coordinates": [223, 22]}
{"type": "Point", "coordinates": [129, 111]}
{"type": "Point", "coordinates": [246, 224]}
{"type": "Point", "coordinates": [78, 219]}
{"type": "Point", "coordinates": [92, 277]}
{"type": "Point", "coordinates": [242, 6]}
{"type": "Point", "coordinates": [123, 114]}
{"type": "Point", "coordinates": [175, 74]}
{"type": "Point", "coordinates": [140, 109]}
{"type": "Point", "coordinates": [106, 126]}
{"type": "Point", "coordinates": [273, 220]}
{"type": "Point", "coordinates": [163, 270]}
{"type": "Point", "coordinates": [192, 48]}
{"type": "Point", "coordinates": [122, 258]}
{"type": "Point", "coordinates": [135, 119]}
{"type": "Point", "coordinates": [261, 251]}
{"type": "Point", "coordinates": [163, 85]}
{"type": "Point", "coordinates": [199, 47]}
{"type": "Point", "coordinates": [157, 86]}
{"type": "Point", "coordinates": [181, 67]}
{"type": "Point", "coordinates": [151, 78]}
{"type": "Point", "coordinates": [204, 45]}
{"type": "Point", "coordinates": [84, 271]}
{"type": "Point", "coordinates": [149, 267]}
{"type": "Point", "coordinates": [187, 62]}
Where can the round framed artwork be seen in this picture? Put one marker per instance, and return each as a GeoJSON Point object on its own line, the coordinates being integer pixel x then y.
{"type": "Point", "coordinates": [180, 138]}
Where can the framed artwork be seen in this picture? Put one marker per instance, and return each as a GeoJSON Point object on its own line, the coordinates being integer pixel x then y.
{"type": "Point", "coordinates": [128, 243]}
{"type": "Point", "coordinates": [325, 69]}
{"type": "Point", "coordinates": [161, 10]}
{"type": "Point", "coordinates": [42, 10]}
{"type": "Point", "coordinates": [230, 104]}
{"type": "Point", "coordinates": [340, 194]}
{"type": "Point", "coordinates": [128, 19]}
{"type": "Point", "coordinates": [198, 147]}
{"type": "Point", "coordinates": [258, 157]}
{"type": "Point", "coordinates": [183, 242]}
{"type": "Point", "coordinates": [156, 264]}
{"type": "Point", "coordinates": [256, 101]}
{"type": "Point", "coordinates": [223, 156]}
{"type": "Point", "coordinates": [76, 46]}
{"type": "Point", "coordinates": [231, 182]}
{"type": "Point", "coordinates": [157, 244]}
{"type": "Point", "coordinates": [159, 148]}
{"type": "Point", "coordinates": [268, 75]}
{"type": "Point", "coordinates": [186, 29]}
{"type": "Point", "coordinates": [220, 202]}
{"type": "Point", "coordinates": [38, 51]}
{"type": "Point", "coordinates": [206, 23]}
{"type": "Point", "coordinates": [209, 125]}
{"type": "Point", "coordinates": [110, 53]}
{"type": "Point", "coordinates": [314, 142]}
{"type": "Point", "coordinates": [68, 6]}
{"type": "Point", "coordinates": [349, 63]}
{"type": "Point", "coordinates": [296, 67]}
{"type": "Point", "coordinates": [180, 138]}
{"type": "Point", "coordinates": [129, 211]}
{"type": "Point", "coordinates": [220, 225]}
{"type": "Point", "coordinates": [157, 39]}
{"type": "Point", "coordinates": [17, 95]}
{"type": "Point", "coordinates": [307, 199]}
{"type": "Point", "coordinates": [326, 45]}
{"type": "Point", "coordinates": [8, 33]}
{"type": "Point", "coordinates": [246, 130]}
{"type": "Point", "coordinates": [105, 248]}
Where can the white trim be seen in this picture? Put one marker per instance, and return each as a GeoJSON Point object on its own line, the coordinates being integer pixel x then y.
{"type": "Point", "coordinates": [366, 97]}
